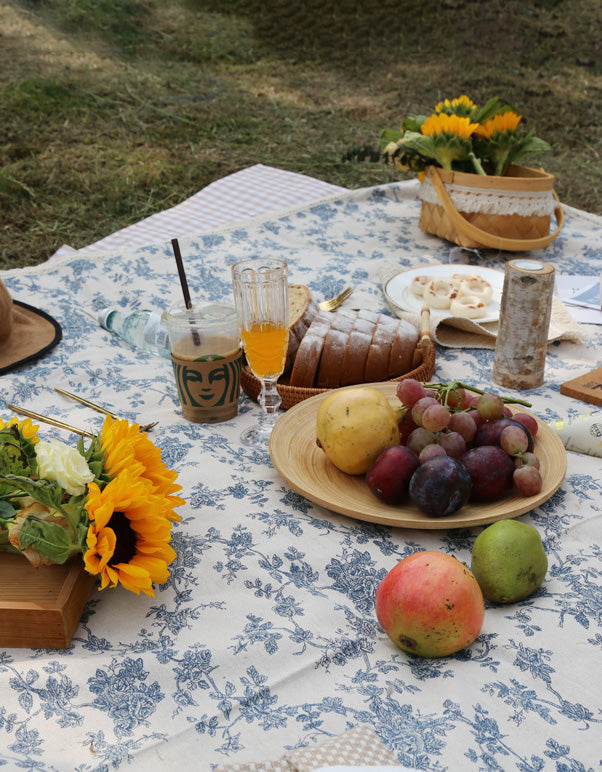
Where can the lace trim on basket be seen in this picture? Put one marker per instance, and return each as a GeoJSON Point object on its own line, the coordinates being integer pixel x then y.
{"type": "Point", "coordinates": [488, 201]}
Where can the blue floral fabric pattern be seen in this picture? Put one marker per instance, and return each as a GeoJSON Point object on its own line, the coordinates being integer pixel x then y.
{"type": "Point", "coordinates": [264, 639]}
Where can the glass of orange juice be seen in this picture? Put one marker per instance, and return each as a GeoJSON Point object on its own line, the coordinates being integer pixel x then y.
{"type": "Point", "coordinates": [261, 300]}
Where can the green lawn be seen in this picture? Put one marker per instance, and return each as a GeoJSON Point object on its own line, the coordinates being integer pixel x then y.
{"type": "Point", "coordinates": [113, 110]}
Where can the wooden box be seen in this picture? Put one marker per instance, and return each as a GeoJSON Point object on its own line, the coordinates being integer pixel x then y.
{"type": "Point", "coordinates": [40, 608]}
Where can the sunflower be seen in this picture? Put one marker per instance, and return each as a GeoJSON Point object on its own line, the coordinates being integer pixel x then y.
{"type": "Point", "coordinates": [128, 536]}
{"type": "Point", "coordinates": [500, 143]}
{"type": "Point", "coordinates": [463, 106]}
{"type": "Point", "coordinates": [458, 135]}
{"type": "Point", "coordinates": [446, 139]}
{"type": "Point", "coordinates": [500, 123]}
{"type": "Point", "coordinates": [442, 124]}
{"type": "Point", "coordinates": [126, 447]}
{"type": "Point", "coordinates": [27, 429]}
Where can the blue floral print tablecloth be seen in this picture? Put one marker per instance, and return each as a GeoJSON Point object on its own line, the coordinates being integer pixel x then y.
{"type": "Point", "coordinates": [264, 639]}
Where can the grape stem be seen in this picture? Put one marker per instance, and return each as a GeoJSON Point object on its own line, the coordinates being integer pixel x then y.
{"type": "Point", "coordinates": [445, 388]}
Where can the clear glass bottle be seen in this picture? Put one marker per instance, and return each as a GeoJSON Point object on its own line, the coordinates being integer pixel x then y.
{"type": "Point", "coordinates": [143, 330]}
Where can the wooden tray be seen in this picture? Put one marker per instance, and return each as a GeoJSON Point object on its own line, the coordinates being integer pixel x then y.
{"type": "Point", "coordinates": [306, 469]}
{"type": "Point", "coordinates": [40, 608]}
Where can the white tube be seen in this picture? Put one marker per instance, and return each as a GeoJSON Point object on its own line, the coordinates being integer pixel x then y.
{"type": "Point", "coordinates": [581, 433]}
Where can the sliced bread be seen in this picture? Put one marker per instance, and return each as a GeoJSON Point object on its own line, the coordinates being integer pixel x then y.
{"type": "Point", "coordinates": [309, 353]}
{"type": "Point", "coordinates": [350, 347]}
{"type": "Point", "coordinates": [302, 309]}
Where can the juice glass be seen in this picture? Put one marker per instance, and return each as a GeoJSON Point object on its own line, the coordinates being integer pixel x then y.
{"type": "Point", "coordinates": [261, 299]}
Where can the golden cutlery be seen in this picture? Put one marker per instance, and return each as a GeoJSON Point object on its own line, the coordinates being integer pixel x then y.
{"type": "Point", "coordinates": [94, 406]}
{"type": "Point", "coordinates": [336, 301]}
{"type": "Point", "coordinates": [52, 421]}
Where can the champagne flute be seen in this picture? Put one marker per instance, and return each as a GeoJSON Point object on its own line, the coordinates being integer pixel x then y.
{"type": "Point", "coordinates": [261, 300]}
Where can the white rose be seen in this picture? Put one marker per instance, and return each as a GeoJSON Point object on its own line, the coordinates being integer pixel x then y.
{"type": "Point", "coordinates": [65, 464]}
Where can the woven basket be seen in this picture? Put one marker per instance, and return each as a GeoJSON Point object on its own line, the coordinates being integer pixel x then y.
{"type": "Point", "coordinates": [525, 196]}
{"type": "Point", "coordinates": [423, 363]}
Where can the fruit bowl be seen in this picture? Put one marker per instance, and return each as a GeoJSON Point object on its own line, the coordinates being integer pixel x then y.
{"type": "Point", "coordinates": [303, 465]}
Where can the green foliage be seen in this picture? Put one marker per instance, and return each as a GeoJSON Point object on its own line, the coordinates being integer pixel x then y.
{"type": "Point", "coordinates": [47, 492]}
{"type": "Point", "coordinates": [17, 457]}
{"type": "Point", "coordinates": [95, 459]}
{"type": "Point", "coordinates": [503, 150]}
{"type": "Point", "coordinates": [7, 513]}
{"type": "Point", "coordinates": [51, 540]}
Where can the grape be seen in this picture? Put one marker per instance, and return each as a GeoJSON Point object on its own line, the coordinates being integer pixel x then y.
{"type": "Point", "coordinates": [453, 444]}
{"type": "Point", "coordinates": [472, 399]}
{"type": "Point", "coordinates": [513, 440]}
{"type": "Point", "coordinates": [431, 451]}
{"type": "Point", "coordinates": [527, 480]}
{"type": "Point", "coordinates": [454, 399]}
{"type": "Point", "coordinates": [419, 439]}
{"type": "Point", "coordinates": [475, 416]}
{"type": "Point", "coordinates": [435, 418]}
{"type": "Point", "coordinates": [527, 420]}
{"type": "Point", "coordinates": [389, 476]}
{"type": "Point", "coordinates": [491, 471]}
{"type": "Point", "coordinates": [464, 424]}
{"type": "Point", "coordinates": [409, 391]}
{"type": "Point", "coordinates": [406, 426]}
{"type": "Point", "coordinates": [489, 432]}
{"type": "Point", "coordinates": [507, 411]}
{"type": "Point", "coordinates": [440, 486]}
{"type": "Point", "coordinates": [420, 407]}
{"type": "Point", "coordinates": [490, 406]}
{"type": "Point", "coordinates": [526, 459]}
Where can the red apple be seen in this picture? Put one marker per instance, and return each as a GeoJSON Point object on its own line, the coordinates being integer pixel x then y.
{"type": "Point", "coordinates": [430, 604]}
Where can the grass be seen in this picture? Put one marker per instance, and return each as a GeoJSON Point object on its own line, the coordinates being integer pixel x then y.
{"type": "Point", "coordinates": [113, 110]}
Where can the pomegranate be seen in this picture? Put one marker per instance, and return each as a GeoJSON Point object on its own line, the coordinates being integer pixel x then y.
{"type": "Point", "coordinates": [430, 604]}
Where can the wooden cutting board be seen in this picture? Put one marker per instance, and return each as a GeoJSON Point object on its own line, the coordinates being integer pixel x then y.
{"type": "Point", "coordinates": [587, 388]}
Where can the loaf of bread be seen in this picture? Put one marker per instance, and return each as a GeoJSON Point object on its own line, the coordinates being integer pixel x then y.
{"type": "Point", "coordinates": [349, 347]}
{"type": "Point", "coordinates": [302, 309]}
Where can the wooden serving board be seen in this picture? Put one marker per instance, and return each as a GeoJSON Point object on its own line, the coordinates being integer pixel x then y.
{"type": "Point", "coordinates": [40, 608]}
{"type": "Point", "coordinates": [587, 388]}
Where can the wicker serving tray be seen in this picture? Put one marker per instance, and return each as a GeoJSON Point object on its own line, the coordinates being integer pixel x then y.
{"type": "Point", "coordinates": [423, 369]}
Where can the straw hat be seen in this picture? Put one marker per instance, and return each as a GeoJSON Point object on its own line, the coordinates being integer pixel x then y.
{"type": "Point", "coordinates": [26, 333]}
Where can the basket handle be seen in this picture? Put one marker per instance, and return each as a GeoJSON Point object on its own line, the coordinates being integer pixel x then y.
{"type": "Point", "coordinates": [488, 239]}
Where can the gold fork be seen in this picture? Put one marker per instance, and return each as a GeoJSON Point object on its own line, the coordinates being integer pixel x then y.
{"type": "Point", "coordinates": [87, 403]}
{"type": "Point", "coordinates": [336, 301]}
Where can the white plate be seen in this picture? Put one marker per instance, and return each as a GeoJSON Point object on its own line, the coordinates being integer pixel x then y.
{"type": "Point", "coordinates": [399, 292]}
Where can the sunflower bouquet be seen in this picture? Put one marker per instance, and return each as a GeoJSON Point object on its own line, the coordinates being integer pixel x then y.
{"type": "Point", "coordinates": [460, 136]}
{"type": "Point", "coordinates": [111, 503]}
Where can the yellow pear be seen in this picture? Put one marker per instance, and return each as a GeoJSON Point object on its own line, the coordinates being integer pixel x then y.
{"type": "Point", "coordinates": [354, 426]}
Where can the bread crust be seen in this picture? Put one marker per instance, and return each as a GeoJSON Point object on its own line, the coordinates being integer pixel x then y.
{"type": "Point", "coordinates": [309, 353]}
{"type": "Point", "coordinates": [302, 310]}
{"type": "Point", "coordinates": [348, 347]}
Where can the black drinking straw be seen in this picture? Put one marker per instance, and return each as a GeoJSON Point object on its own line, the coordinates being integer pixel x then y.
{"type": "Point", "coordinates": [182, 273]}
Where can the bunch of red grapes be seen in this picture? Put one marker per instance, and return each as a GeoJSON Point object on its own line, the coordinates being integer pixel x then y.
{"type": "Point", "coordinates": [457, 446]}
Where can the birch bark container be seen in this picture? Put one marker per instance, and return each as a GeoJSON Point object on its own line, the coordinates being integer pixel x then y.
{"type": "Point", "coordinates": [525, 310]}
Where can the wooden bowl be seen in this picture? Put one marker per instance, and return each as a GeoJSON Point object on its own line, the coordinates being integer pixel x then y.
{"type": "Point", "coordinates": [304, 466]}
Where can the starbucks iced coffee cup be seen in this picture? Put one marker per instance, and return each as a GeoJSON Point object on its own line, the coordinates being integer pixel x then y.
{"type": "Point", "coordinates": [207, 358]}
